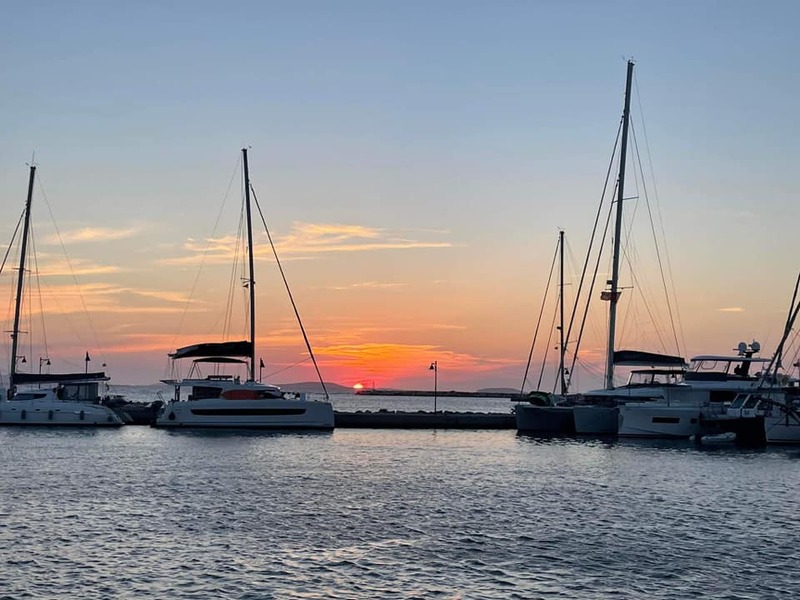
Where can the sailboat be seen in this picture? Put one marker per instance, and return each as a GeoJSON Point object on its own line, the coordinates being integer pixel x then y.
{"type": "Point", "coordinates": [667, 398]}
{"type": "Point", "coordinates": [48, 398]}
{"type": "Point", "coordinates": [225, 401]}
{"type": "Point", "coordinates": [541, 412]}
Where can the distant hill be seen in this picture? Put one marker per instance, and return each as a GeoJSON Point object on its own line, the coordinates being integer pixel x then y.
{"type": "Point", "coordinates": [499, 390]}
{"type": "Point", "coordinates": [315, 387]}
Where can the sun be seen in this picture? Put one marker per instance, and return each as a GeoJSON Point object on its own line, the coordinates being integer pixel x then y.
{"type": "Point", "coordinates": [358, 386]}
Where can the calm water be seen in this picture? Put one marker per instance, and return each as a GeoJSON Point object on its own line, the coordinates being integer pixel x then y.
{"type": "Point", "coordinates": [143, 513]}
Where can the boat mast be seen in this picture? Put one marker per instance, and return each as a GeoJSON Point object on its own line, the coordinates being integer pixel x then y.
{"type": "Point", "coordinates": [251, 284]}
{"type": "Point", "coordinates": [562, 347]}
{"type": "Point", "coordinates": [20, 281]}
{"type": "Point", "coordinates": [614, 295]}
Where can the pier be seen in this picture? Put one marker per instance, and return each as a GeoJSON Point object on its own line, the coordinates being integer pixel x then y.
{"type": "Point", "coordinates": [439, 393]}
{"type": "Point", "coordinates": [423, 420]}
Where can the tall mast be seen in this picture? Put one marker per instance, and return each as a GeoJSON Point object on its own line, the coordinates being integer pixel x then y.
{"type": "Point", "coordinates": [562, 347]}
{"type": "Point", "coordinates": [614, 295]}
{"type": "Point", "coordinates": [20, 281]}
{"type": "Point", "coordinates": [251, 284]}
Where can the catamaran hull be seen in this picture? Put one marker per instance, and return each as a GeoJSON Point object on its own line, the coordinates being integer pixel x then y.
{"type": "Point", "coordinates": [780, 430]}
{"type": "Point", "coordinates": [57, 413]}
{"type": "Point", "coordinates": [653, 421]}
{"type": "Point", "coordinates": [596, 420]}
{"type": "Point", "coordinates": [545, 419]}
{"type": "Point", "coordinates": [247, 414]}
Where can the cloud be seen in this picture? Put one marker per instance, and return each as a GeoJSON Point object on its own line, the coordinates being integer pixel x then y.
{"type": "Point", "coordinates": [369, 285]}
{"type": "Point", "coordinates": [403, 359]}
{"type": "Point", "coordinates": [93, 234]}
{"type": "Point", "coordinates": [75, 268]}
{"type": "Point", "coordinates": [316, 237]}
{"type": "Point", "coordinates": [306, 240]}
{"type": "Point", "coordinates": [731, 309]}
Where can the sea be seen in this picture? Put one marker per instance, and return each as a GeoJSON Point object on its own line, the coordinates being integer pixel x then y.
{"type": "Point", "coordinates": [137, 512]}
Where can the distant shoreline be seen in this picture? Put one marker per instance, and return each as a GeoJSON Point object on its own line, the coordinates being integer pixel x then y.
{"type": "Point", "coordinates": [440, 394]}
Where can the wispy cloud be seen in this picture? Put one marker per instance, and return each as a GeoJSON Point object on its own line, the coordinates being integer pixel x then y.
{"type": "Point", "coordinates": [731, 309]}
{"type": "Point", "coordinates": [308, 239]}
{"type": "Point", "coordinates": [321, 237]}
{"type": "Point", "coordinates": [75, 267]}
{"type": "Point", "coordinates": [93, 234]}
{"type": "Point", "coordinates": [369, 285]}
{"type": "Point", "coordinates": [402, 359]}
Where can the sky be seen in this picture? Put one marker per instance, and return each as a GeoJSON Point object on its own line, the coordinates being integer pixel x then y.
{"type": "Point", "coordinates": [414, 162]}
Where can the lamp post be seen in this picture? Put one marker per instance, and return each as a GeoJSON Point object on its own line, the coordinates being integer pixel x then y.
{"type": "Point", "coordinates": [43, 361]}
{"type": "Point", "coordinates": [435, 368]}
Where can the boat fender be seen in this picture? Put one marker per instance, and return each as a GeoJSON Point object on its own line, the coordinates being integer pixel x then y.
{"type": "Point", "coordinates": [171, 416]}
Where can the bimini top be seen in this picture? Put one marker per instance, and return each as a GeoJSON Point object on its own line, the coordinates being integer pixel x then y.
{"type": "Point", "coordinates": [635, 358]}
{"type": "Point", "coordinates": [218, 349]}
{"type": "Point", "coordinates": [739, 359]}
{"type": "Point", "coordinates": [59, 377]}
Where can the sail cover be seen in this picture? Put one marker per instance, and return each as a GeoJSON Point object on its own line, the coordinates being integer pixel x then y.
{"type": "Point", "coordinates": [220, 360]}
{"type": "Point", "coordinates": [224, 349]}
{"type": "Point", "coordinates": [59, 377]}
{"type": "Point", "coordinates": [635, 358]}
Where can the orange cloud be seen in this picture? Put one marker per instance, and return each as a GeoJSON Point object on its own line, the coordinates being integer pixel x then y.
{"type": "Point", "coordinates": [304, 239]}
{"type": "Point", "coordinates": [92, 234]}
{"type": "Point", "coordinates": [392, 362]}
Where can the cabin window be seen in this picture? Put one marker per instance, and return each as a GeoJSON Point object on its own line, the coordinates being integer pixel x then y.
{"type": "Point", "coordinates": [670, 420]}
{"type": "Point", "coordinates": [751, 402]}
{"type": "Point", "coordinates": [738, 401]}
{"type": "Point", "coordinates": [200, 392]}
{"type": "Point", "coordinates": [236, 412]}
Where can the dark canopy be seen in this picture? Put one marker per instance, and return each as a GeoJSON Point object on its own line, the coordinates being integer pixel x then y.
{"type": "Point", "coordinates": [58, 377]}
{"type": "Point", "coordinates": [635, 358]}
{"type": "Point", "coordinates": [220, 360]}
{"type": "Point", "coordinates": [224, 349]}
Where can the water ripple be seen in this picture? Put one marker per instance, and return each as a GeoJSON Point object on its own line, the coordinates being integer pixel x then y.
{"type": "Point", "coordinates": [141, 513]}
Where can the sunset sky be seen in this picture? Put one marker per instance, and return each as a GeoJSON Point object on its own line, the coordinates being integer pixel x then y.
{"type": "Point", "coordinates": [414, 161]}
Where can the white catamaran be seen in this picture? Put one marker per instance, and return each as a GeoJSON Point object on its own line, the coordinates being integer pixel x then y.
{"type": "Point", "coordinates": [48, 398]}
{"type": "Point", "coordinates": [225, 401]}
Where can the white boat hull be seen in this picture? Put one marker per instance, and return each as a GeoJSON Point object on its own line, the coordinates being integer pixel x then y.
{"type": "Point", "coordinates": [659, 421]}
{"type": "Point", "coordinates": [54, 412]}
{"type": "Point", "coordinates": [271, 413]}
{"type": "Point", "coordinates": [780, 430]}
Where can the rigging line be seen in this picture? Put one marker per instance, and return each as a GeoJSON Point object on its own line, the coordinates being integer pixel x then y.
{"type": "Point", "coordinates": [592, 238]}
{"type": "Point", "coordinates": [658, 210]}
{"type": "Point", "coordinates": [789, 321]}
{"type": "Point", "coordinates": [776, 357]}
{"type": "Point", "coordinates": [205, 254]}
{"type": "Point", "coordinates": [589, 293]}
{"type": "Point", "coordinates": [299, 362]}
{"type": "Point", "coordinates": [547, 350]}
{"type": "Point", "coordinates": [11, 242]}
{"type": "Point", "coordinates": [71, 269]}
{"type": "Point", "coordinates": [36, 274]}
{"type": "Point", "coordinates": [655, 241]}
{"type": "Point", "coordinates": [538, 322]}
{"type": "Point", "coordinates": [289, 292]}
{"type": "Point", "coordinates": [234, 280]}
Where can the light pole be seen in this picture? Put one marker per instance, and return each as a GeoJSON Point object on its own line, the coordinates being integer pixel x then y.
{"type": "Point", "coordinates": [43, 361]}
{"type": "Point", "coordinates": [435, 368]}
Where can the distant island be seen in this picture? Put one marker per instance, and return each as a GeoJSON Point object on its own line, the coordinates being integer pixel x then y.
{"type": "Point", "coordinates": [314, 387]}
